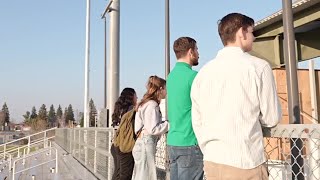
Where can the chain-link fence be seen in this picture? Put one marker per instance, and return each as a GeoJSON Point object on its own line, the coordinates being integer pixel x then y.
{"type": "Point", "coordinates": [293, 152]}
{"type": "Point", "coordinates": [91, 147]}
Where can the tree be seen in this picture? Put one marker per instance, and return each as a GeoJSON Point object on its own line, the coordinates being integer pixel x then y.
{"type": "Point", "coordinates": [70, 114]}
{"type": "Point", "coordinates": [59, 112]}
{"type": "Point", "coordinates": [43, 112]}
{"type": "Point", "coordinates": [5, 109]}
{"type": "Point", "coordinates": [92, 113]}
{"type": "Point", "coordinates": [81, 119]}
{"type": "Point", "coordinates": [52, 118]}
{"type": "Point", "coordinates": [26, 116]}
{"type": "Point", "coordinates": [33, 113]}
{"type": "Point", "coordinates": [2, 118]}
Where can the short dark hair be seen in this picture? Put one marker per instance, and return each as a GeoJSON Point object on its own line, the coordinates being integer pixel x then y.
{"type": "Point", "coordinates": [182, 45]}
{"type": "Point", "coordinates": [230, 24]}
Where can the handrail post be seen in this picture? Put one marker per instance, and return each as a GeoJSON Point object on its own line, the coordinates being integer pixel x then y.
{"type": "Point", "coordinates": [79, 145]}
{"type": "Point", "coordinates": [10, 159]}
{"type": "Point", "coordinates": [18, 151]}
{"type": "Point", "coordinates": [13, 170]}
{"type": "Point", "coordinates": [95, 152]}
{"type": "Point", "coordinates": [4, 151]}
{"type": "Point", "coordinates": [56, 161]}
{"type": "Point", "coordinates": [85, 147]}
{"type": "Point", "coordinates": [45, 139]}
{"type": "Point", "coordinates": [29, 142]}
{"type": "Point", "coordinates": [24, 155]}
{"type": "Point", "coordinates": [50, 146]}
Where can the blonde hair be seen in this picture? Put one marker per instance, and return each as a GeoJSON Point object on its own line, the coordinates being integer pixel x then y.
{"type": "Point", "coordinates": [154, 86]}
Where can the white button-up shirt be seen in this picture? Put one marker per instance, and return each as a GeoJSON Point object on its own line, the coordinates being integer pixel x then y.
{"type": "Point", "coordinates": [232, 97]}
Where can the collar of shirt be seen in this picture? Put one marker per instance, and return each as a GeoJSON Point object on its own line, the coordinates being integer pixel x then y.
{"type": "Point", "coordinates": [183, 64]}
{"type": "Point", "coordinates": [227, 51]}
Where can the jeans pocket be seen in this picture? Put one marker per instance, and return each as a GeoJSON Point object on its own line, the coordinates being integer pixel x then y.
{"type": "Point", "coordinates": [184, 161]}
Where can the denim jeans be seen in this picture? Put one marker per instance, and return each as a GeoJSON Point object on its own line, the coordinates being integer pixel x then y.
{"type": "Point", "coordinates": [144, 152]}
{"type": "Point", "coordinates": [186, 162]}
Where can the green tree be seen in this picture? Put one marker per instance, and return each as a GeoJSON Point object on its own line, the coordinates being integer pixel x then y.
{"type": "Point", "coordinates": [52, 118]}
{"type": "Point", "coordinates": [92, 113]}
{"type": "Point", "coordinates": [70, 114]}
{"type": "Point", "coordinates": [81, 119]}
{"type": "Point", "coordinates": [33, 113]}
{"type": "Point", "coordinates": [5, 109]}
{"type": "Point", "coordinates": [59, 112]}
{"type": "Point", "coordinates": [43, 114]}
{"type": "Point", "coordinates": [26, 116]}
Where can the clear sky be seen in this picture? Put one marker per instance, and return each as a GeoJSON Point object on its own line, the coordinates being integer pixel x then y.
{"type": "Point", "coordinates": [42, 45]}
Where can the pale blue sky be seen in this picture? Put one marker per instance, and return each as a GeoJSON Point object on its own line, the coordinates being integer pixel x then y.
{"type": "Point", "coordinates": [42, 45]}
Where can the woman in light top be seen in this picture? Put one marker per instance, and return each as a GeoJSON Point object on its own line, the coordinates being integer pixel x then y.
{"type": "Point", "coordinates": [148, 127]}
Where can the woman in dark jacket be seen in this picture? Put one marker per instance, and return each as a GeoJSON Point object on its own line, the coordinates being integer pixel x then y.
{"type": "Point", "coordinates": [123, 162]}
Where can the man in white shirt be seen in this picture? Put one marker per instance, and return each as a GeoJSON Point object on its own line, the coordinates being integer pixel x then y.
{"type": "Point", "coordinates": [232, 97]}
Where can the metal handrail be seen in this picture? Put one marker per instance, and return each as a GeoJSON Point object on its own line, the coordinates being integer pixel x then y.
{"type": "Point", "coordinates": [29, 141]}
{"type": "Point", "coordinates": [26, 137]}
{"type": "Point", "coordinates": [35, 153]}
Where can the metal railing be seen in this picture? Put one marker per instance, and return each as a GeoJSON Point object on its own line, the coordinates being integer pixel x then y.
{"type": "Point", "coordinates": [15, 147]}
{"type": "Point", "coordinates": [42, 151]}
{"type": "Point", "coordinates": [293, 151]}
{"type": "Point", "coordinates": [90, 146]}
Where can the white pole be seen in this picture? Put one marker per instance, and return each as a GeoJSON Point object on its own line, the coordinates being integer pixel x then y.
{"type": "Point", "coordinates": [314, 143]}
{"type": "Point", "coordinates": [87, 69]}
{"type": "Point", "coordinates": [114, 57]}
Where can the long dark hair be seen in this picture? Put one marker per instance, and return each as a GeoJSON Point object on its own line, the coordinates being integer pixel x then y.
{"type": "Point", "coordinates": [154, 86]}
{"type": "Point", "coordinates": [124, 103]}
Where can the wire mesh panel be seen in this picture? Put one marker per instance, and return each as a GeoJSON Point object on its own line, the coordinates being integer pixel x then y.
{"type": "Point", "coordinates": [90, 146]}
{"type": "Point", "coordinates": [293, 152]}
{"type": "Point", "coordinates": [161, 157]}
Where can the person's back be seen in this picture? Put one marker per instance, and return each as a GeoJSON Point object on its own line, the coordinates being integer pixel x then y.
{"type": "Point", "coordinates": [179, 104]}
{"type": "Point", "coordinates": [232, 97]}
{"type": "Point", "coordinates": [185, 157]}
{"type": "Point", "coordinates": [229, 98]}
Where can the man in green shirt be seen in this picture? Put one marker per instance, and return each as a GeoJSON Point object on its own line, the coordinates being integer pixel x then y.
{"type": "Point", "coordinates": [185, 156]}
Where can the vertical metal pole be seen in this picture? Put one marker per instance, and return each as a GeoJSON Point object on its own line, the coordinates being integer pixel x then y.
{"type": "Point", "coordinates": [4, 151]}
{"type": "Point", "coordinates": [105, 62]}
{"type": "Point", "coordinates": [18, 151]}
{"type": "Point", "coordinates": [114, 60]}
{"type": "Point", "coordinates": [29, 141]}
{"type": "Point", "coordinates": [313, 143]}
{"type": "Point", "coordinates": [167, 37]}
{"type": "Point", "coordinates": [87, 69]}
{"type": "Point", "coordinates": [167, 70]}
{"type": "Point", "coordinates": [45, 139]}
{"type": "Point", "coordinates": [13, 170]}
{"type": "Point", "coordinates": [292, 87]}
{"type": "Point", "coordinates": [95, 152]}
{"type": "Point", "coordinates": [57, 166]}
{"type": "Point", "coordinates": [85, 134]}
{"type": "Point", "coordinates": [10, 163]}
{"type": "Point", "coordinates": [79, 149]}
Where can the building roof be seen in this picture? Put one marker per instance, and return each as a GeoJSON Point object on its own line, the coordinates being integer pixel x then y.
{"type": "Point", "coordinates": [297, 6]}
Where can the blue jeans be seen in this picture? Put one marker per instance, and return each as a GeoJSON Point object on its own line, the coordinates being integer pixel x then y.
{"type": "Point", "coordinates": [144, 151]}
{"type": "Point", "coordinates": [186, 162]}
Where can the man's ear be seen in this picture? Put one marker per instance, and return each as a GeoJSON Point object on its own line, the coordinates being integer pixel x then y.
{"type": "Point", "coordinates": [241, 33]}
{"type": "Point", "coordinates": [190, 52]}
